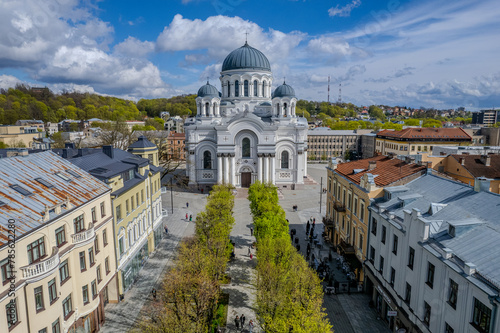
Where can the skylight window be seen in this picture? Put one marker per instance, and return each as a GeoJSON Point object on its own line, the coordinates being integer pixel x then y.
{"type": "Point", "coordinates": [21, 190]}
{"type": "Point", "coordinates": [98, 170]}
{"type": "Point", "coordinates": [2, 203]}
{"type": "Point", "coordinates": [60, 175]}
{"type": "Point", "coordinates": [44, 182]}
{"type": "Point", "coordinates": [73, 173]}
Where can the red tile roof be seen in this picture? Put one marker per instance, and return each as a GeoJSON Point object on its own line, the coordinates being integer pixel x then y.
{"type": "Point", "coordinates": [427, 133]}
{"type": "Point", "coordinates": [387, 170]}
{"type": "Point", "coordinates": [176, 136]}
{"type": "Point", "coordinates": [477, 168]}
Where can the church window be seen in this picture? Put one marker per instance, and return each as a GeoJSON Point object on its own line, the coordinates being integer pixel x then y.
{"type": "Point", "coordinates": [285, 109]}
{"type": "Point", "coordinates": [207, 160]}
{"type": "Point", "coordinates": [255, 88]}
{"type": "Point", "coordinates": [207, 109]}
{"type": "Point", "coordinates": [264, 89]}
{"type": "Point", "coordinates": [245, 88]}
{"type": "Point", "coordinates": [245, 148]}
{"type": "Point", "coordinates": [236, 88]}
{"type": "Point", "coordinates": [284, 160]}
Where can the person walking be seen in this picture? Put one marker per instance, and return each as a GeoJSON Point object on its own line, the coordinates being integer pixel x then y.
{"type": "Point", "coordinates": [237, 322]}
{"type": "Point", "coordinates": [186, 216]}
{"type": "Point", "coordinates": [251, 231]}
{"type": "Point", "coordinates": [190, 218]}
{"type": "Point", "coordinates": [166, 230]}
{"type": "Point", "coordinates": [242, 320]}
{"type": "Point", "coordinates": [154, 293]}
{"type": "Point", "coordinates": [250, 326]}
{"type": "Point", "coordinates": [187, 204]}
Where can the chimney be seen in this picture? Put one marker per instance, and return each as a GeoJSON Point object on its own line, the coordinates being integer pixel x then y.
{"type": "Point", "coordinates": [108, 150]}
{"type": "Point", "coordinates": [80, 152]}
{"type": "Point", "coordinates": [486, 160]}
{"type": "Point", "coordinates": [409, 159]}
{"type": "Point", "coordinates": [481, 184]}
{"type": "Point", "coordinates": [372, 165]}
{"type": "Point", "coordinates": [65, 153]}
{"type": "Point", "coordinates": [70, 145]}
{"type": "Point", "coordinates": [462, 160]}
{"type": "Point", "coordinates": [469, 268]}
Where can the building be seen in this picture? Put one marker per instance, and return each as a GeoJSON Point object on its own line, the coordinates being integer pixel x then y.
{"type": "Point", "coordinates": [246, 133]}
{"type": "Point", "coordinates": [52, 128]}
{"type": "Point", "coordinates": [324, 143]}
{"type": "Point", "coordinates": [19, 136]}
{"type": "Point", "coordinates": [175, 124]}
{"type": "Point", "coordinates": [73, 136]}
{"type": "Point", "coordinates": [351, 188]}
{"type": "Point", "coordinates": [42, 143]}
{"type": "Point", "coordinates": [433, 257]}
{"type": "Point", "coordinates": [134, 177]}
{"type": "Point", "coordinates": [176, 146]}
{"type": "Point", "coordinates": [57, 257]}
{"type": "Point", "coordinates": [486, 117]}
{"type": "Point", "coordinates": [70, 125]}
{"type": "Point", "coordinates": [415, 140]}
{"type": "Point", "coordinates": [31, 123]}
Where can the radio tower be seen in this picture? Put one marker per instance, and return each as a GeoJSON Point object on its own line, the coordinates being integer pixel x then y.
{"type": "Point", "coordinates": [328, 89]}
{"type": "Point", "coordinates": [340, 93]}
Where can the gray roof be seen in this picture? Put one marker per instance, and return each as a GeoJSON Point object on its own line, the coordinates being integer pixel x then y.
{"type": "Point", "coordinates": [28, 210]}
{"type": "Point", "coordinates": [473, 214]}
{"type": "Point", "coordinates": [142, 142]}
{"type": "Point", "coordinates": [208, 90]}
{"type": "Point", "coordinates": [246, 57]}
{"type": "Point", "coordinates": [284, 90]}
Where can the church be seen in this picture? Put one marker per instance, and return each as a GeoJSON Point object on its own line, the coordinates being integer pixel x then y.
{"type": "Point", "coordinates": [246, 132]}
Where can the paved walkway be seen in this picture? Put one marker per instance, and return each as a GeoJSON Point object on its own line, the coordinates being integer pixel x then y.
{"type": "Point", "coordinates": [121, 317]}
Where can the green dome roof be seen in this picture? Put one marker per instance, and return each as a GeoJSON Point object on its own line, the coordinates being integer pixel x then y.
{"type": "Point", "coordinates": [208, 90]}
{"type": "Point", "coordinates": [284, 90]}
{"type": "Point", "coordinates": [246, 57]}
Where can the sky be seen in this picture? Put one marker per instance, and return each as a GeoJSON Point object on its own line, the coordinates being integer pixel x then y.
{"type": "Point", "coordinates": [442, 54]}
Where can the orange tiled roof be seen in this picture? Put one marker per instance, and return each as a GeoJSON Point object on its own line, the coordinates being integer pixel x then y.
{"type": "Point", "coordinates": [176, 135]}
{"type": "Point", "coordinates": [476, 167]}
{"type": "Point", "coordinates": [427, 133]}
{"type": "Point", "coordinates": [387, 170]}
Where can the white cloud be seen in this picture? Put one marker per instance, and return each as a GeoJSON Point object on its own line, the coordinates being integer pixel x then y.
{"type": "Point", "coordinates": [345, 10]}
{"type": "Point", "coordinates": [135, 48]}
{"type": "Point", "coordinates": [9, 81]}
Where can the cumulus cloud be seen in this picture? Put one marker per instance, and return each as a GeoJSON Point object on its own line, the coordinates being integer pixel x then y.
{"type": "Point", "coordinates": [9, 81]}
{"type": "Point", "coordinates": [135, 48]}
{"type": "Point", "coordinates": [345, 10]}
{"type": "Point", "coordinates": [219, 35]}
{"type": "Point", "coordinates": [333, 49]}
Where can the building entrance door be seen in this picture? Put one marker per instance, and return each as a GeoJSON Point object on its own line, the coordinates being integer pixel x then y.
{"type": "Point", "coordinates": [246, 179]}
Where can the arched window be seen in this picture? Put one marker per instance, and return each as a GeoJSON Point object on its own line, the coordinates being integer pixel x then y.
{"type": "Point", "coordinates": [285, 109]}
{"type": "Point", "coordinates": [255, 88]}
{"type": "Point", "coordinates": [207, 160]}
{"type": "Point", "coordinates": [284, 159]}
{"type": "Point", "coordinates": [264, 89]}
{"type": "Point", "coordinates": [207, 109]}
{"type": "Point", "coordinates": [236, 88]}
{"type": "Point", "coordinates": [245, 88]}
{"type": "Point", "coordinates": [245, 148]}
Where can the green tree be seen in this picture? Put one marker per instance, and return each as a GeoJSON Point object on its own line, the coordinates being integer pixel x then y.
{"type": "Point", "coordinates": [376, 112]}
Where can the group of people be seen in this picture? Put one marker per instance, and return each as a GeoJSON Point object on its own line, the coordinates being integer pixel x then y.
{"type": "Point", "coordinates": [240, 322]}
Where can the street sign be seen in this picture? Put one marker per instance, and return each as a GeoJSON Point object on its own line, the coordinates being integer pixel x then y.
{"type": "Point", "coordinates": [392, 313]}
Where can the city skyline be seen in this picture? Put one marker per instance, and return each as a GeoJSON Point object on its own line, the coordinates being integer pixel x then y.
{"type": "Point", "coordinates": [395, 53]}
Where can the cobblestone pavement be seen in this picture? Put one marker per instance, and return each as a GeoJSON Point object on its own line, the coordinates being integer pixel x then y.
{"type": "Point", "coordinates": [121, 317]}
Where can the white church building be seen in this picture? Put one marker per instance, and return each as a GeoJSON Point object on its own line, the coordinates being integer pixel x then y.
{"type": "Point", "coordinates": [246, 132]}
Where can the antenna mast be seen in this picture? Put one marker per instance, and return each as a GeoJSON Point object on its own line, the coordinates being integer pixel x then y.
{"type": "Point", "coordinates": [328, 89]}
{"type": "Point", "coordinates": [340, 93]}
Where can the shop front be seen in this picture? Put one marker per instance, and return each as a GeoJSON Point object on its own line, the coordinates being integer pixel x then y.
{"type": "Point", "coordinates": [158, 234]}
{"type": "Point", "coordinates": [131, 270]}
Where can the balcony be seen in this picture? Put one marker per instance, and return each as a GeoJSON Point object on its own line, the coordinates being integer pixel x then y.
{"type": "Point", "coordinates": [42, 267]}
{"type": "Point", "coordinates": [84, 235]}
{"type": "Point", "coordinates": [338, 206]}
{"type": "Point", "coordinates": [328, 222]}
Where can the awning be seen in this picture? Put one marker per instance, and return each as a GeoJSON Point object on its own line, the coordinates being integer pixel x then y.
{"type": "Point", "coordinates": [353, 261]}
{"type": "Point", "coordinates": [346, 248]}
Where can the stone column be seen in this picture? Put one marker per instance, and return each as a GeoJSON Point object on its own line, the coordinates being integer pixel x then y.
{"type": "Point", "coordinates": [233, 170]}
{"type": "Point", "coordinates": [273, 168]}
{"type": "Point", "coordinates": [305, 163]}
{"type": "Point", "coordinates": [226, 170]}
{"type": "Point", "coordinates": [192, 168]}
{"type": "Point", "coordinates": [219, 169]}
{"type": "Point", "coordinates": [259, 167]}
{"type": "Point", "coordinates": [211, 109]}
{"type": "Point", "coordinates": [266, 169]}
{"type": "Point", "coordinates": [231, 88]}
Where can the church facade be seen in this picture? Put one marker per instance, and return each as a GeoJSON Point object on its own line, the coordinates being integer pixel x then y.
{"type": "Point", "coordinates": [246, 132]}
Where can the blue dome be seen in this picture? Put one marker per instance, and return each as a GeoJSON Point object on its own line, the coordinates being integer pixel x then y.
{"type": "Point", "coordinates": [284, 91]}
{"type": "Point", "coordinates": [246, 57]}
{"type": "Point", "coordinates": [208, 90]}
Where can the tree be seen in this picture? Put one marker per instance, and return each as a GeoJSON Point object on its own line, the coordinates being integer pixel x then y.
{"type": "Point", "coordinates": [432, 123]}
{"type": "Point", "coordinates": [376, 112]}
{"type": "Point", "coordinates": [116, 134]}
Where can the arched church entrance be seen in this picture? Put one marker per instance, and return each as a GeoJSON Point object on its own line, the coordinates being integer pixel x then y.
{"type": "Point", "coordinates": [246, 177]}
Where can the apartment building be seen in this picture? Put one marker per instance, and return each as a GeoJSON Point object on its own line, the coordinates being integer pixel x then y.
{"type": "Point", "coordinates": [176, 146]}
{"type": "Point", "coordinates": [19, 136]}
{"type": "Point", "coordinates": [134, 178]}
{"type": "Point", "coordinates": [57, 257]}
{"type": "Point", "coordinates": [352, 186]}
{"type": "Point", "coordinates": [433, 257]}
{"type": "Point", "coordinates": [419, 140]}
{"type": "Point", "coordinates": [324, 143]}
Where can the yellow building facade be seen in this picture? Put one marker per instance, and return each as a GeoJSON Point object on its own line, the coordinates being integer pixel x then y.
{"type": "Point", "coordinates": [57, 255]}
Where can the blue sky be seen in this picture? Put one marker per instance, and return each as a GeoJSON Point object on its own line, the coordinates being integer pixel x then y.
{"type": "Point", "coordinates": [442, 54]}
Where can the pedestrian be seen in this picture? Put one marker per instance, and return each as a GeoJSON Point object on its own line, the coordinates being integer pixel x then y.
{"type": "Point", "coordinates": [308, 225]}
{"type": "Point", "coordinates": [237, 322]}
{"type": "Point", "coordinates": [190, 218]}
{"type": "Point", "coordinates": [242, 320]}
{"type": "Point", "coordinates": [187, 204]}
{"type": "Point", "coordinates": [251, 256]}
{"type": "Point", "coordinates": [250, 326]}
{"type": "Point", "coordinates": [251, 231]}
{"type": "Point", "coordinates": [186, 216]}
{"type": "Point", "coordinates": [314, 221]}
{"type": "Point", "coordinates": [154, 293]}
{"type": "Point", "coordinates": [166, 230]}
{"type": "Point", "coordinates": [249, 251]}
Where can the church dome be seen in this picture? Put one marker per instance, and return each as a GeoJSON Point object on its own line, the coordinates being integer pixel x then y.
{"type": "Point", "coordinates": [246, 57]}
{"type": "Point", "coordinates": [284, 91]}
{"type": "Point", "coordinates": [208, 90]}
